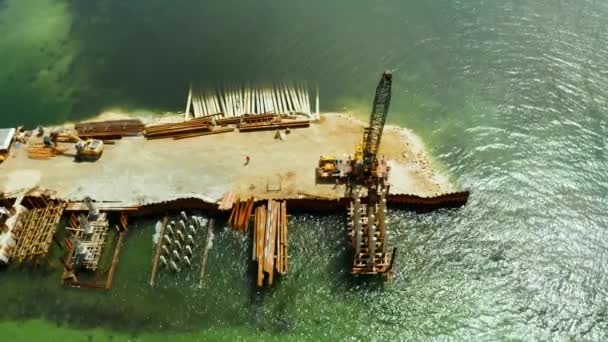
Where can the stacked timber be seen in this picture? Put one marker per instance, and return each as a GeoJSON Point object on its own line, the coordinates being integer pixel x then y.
{"type": "Point", "coordinates": [227, 201]}
{"type": "Point", "coordinates": [270, 240]}
{"type": "Point", "coordinates": [114, 129]}
{"type": "Point", "coordinates": [171, 130]}
{"type": "Point", "coordinates": [42, 152]}
{"type": "Point", "coordinates": [240, 215]}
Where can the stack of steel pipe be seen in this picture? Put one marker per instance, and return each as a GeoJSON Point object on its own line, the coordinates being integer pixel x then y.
{"type": "Point", "coordinates": [171, 130]}
{"type": "Point", "coordinates": [245, 119]}
{"type": "Point", "coordinates": [114, 129]}
{"type": "Point", "coordinates": [273, 125]}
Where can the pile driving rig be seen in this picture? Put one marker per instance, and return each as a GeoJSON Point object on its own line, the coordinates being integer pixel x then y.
{"type": "Point", "coordinates": [367, 213]}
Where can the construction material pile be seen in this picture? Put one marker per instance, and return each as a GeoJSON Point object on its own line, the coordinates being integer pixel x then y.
{"type": "Point", "coordinates": [114, 129]}
{"type": "Point", "coordinates": [274, 124]}
{"type": "Point", "coordinates": [175, 130]}
{"type": "Point", "coordinates": [42, 152]}
{"type": "Point", "coordinates": [241, 213]}
{"type": "Point", "coordinates": [261, 118]}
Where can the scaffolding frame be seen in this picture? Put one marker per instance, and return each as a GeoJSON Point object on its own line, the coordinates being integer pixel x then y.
{"type": "Point", "coordinates": [36, 231]}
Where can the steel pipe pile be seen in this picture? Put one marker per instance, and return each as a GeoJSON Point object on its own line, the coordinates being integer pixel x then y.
{"type": "Point", "coordinates": [113, 129]}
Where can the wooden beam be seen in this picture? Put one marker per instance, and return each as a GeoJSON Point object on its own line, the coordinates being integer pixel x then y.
{"type": "Point", "coordinates": [158, 251]}
{"type": "Point", "coordinates": [115, 260]}
{"type": "Point", "coordinates": [188, 103]}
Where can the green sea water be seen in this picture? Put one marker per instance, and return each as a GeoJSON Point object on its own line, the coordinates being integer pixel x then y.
{"type": "Point", "coordinates": [510, 96]}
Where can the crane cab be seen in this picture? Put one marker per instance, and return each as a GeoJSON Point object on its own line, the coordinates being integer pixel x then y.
{"type": "Point", "coordinates": [89, 150]}
{"type": "Point", "coordinates": [328, 168]}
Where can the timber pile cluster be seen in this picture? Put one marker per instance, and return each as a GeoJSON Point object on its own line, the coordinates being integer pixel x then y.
{"type": "Point", "coordinates": [241, 213]}
{"type": "Point", "coordinates": [270, 240]}
{"type": "Point", "coordinates": [227, 201]}
{"type": "Point", "coordinates": [114, 129]}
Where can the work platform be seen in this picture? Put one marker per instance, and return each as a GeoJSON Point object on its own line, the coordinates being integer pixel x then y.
{"type": "Point", "coordinates": [136, 172]}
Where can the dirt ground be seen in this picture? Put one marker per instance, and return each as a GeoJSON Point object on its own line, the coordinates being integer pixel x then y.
{"type": "Point", "coordinates": [140, 171]}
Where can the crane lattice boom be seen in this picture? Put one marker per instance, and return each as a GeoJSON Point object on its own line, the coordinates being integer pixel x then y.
{"type": "Point", "coordinates": [373, 133]}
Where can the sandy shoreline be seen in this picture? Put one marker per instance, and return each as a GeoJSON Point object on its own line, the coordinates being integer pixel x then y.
{"type": "Point", "coordinates": [139, 171]}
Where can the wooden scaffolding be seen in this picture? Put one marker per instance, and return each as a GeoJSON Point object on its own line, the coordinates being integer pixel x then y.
{"type": "Point", "coordinates": [36, 231]}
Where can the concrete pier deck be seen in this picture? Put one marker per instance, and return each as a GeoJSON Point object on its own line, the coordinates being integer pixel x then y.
{"type": "Point", "coordinates": [137, 171]}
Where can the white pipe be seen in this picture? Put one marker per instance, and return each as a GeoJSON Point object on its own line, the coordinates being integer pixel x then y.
{"type": "Point", "coordinates": [188, 103]}
{"type": "Point", "coordinates": [317, 103]}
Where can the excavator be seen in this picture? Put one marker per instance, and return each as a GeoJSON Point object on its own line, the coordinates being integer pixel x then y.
{"type": "Point", "coordinates": [328, 168]}
{"type": "Point", "coordinates": [366, 166]}
{"type": "Point", "coordinates": [86, 150]}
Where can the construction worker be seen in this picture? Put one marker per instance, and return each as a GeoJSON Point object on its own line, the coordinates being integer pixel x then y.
{"type": "Point", "coordinates": [247, 159]}
{"type": "Point", "coordinates": [48, 141]}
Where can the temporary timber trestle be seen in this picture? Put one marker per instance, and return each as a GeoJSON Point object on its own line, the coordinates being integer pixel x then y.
{"type": "Point", "coordinates": [270, 240]}
{"type": "Point", "coordinates": [35, 234]}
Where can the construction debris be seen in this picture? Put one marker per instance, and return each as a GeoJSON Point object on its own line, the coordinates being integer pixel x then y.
{"type": "Point", "coordinates": [270, 240]}
{"type": "Point", "coordinates": [208, 245]}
